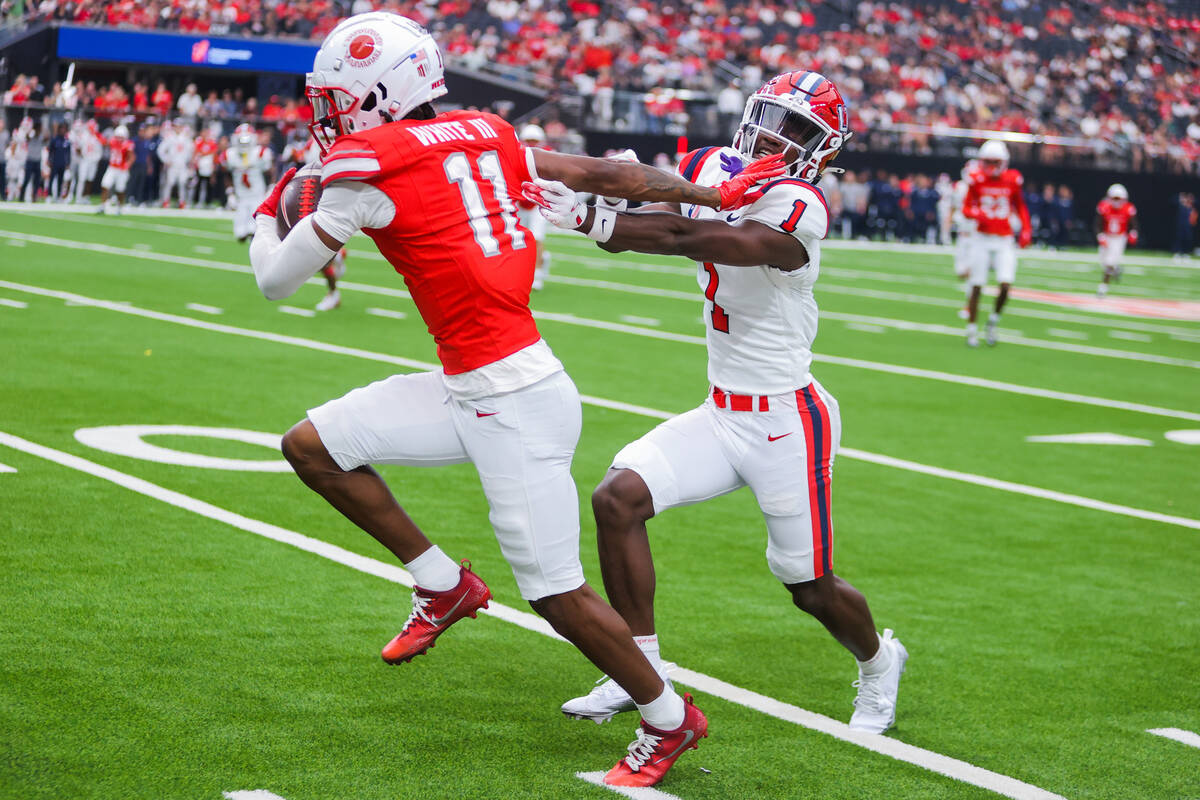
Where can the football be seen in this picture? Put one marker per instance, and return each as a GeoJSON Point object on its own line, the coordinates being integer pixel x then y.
{"type": "Point", "coordinates": [299, 198]}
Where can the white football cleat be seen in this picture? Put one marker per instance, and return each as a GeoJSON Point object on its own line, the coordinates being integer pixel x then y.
{"type": "Point", "coordinates": [330, 301]}
{"type": "Point", "coordinates": [990, 332]}
{"type": "Point", "coordinates": [606, 700]}
{"type": "Point", "coordinates": [875, 705]}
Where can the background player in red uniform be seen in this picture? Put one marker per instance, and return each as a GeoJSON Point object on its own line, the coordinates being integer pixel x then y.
{"type": "Point", "coordinates": [116, 177]}
{"type": "Point", "coordinates": [994, 194]}
{"type": "Point", "coordinates": [1116, 226]}
{"type": "Point", "coordinates": [437, 195]}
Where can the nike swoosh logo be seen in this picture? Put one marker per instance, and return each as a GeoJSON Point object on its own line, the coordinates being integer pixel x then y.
{"type": "Point", "coordinates": [687, 739]}
{"type": "Point", "coordinates": [481, 415]}
{"type": "Point", "coordinates": [733, 217]}
{"type": "Point", "coordinates": [436, 621]}
{"type": "Point", "coordinates": [771, 438]}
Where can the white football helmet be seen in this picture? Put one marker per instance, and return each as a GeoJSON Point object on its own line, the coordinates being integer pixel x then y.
{"type": "Point", "coordinates": [993, 150]}
{"type": "Point", "coordinates": [371, 69]}
{"type": "Point", "coordinates": [244, 136]}
{"type": "Point", "coordinates": [533, 134]}
{"type": "Point", "coordinates": [1117, 192]}
{"type": "Point", "coordinates": [121, 132]}
{"type": "Point", "coordinates": [804, 111]}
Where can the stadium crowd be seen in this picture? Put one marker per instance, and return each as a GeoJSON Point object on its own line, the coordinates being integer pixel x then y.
{"type": "Point", "coordinates": [1093, 70]}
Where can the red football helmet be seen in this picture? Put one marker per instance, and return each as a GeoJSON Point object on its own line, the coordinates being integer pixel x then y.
{"type": "Point", "coordinates": [803, 110]}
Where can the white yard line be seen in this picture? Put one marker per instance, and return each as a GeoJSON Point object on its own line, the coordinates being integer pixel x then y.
{"type": "Point", "coordinates": [574, 320]}
{"type": "Point", "coordinates": [632, 792]}
{"type": "Point", "coordinates": [651, 321]}
{"type": "Point", "coordinates": [4, 301]}
{"type": "Point", "coordinates": [1063, 333]}
{"type": "Point", "coordinates": [965, 380]}
{"type": "Point", "coordinates": [387, 312]}
{"type": "Point", "coordinates": [912, 466]}
{"type": "Point", "coordinates": [1130, 336]}
{"type": "Point", "coordinates": [297, 312]}
{"type": "Point", "coordinates": [936, 762]}
{"type": "Point", "coordinates": [203, 309]}
{"type": "Point", "coordinates": [1178, 734]}
{"type": "Point", "coordinates": [863, 327]}
{"type": "Point", "coordinates": [253, 794]}
{"type": "Point", "coordinates": [5, 468]}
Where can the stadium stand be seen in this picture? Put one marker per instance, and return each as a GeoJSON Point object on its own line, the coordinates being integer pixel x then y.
{"type": "Point", "coordinates": [1097, 75]}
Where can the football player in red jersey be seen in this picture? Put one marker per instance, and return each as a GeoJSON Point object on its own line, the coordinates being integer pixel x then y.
{"type": "Point", "coordinates": [436, 192]}
{"type": "Point", "coordinates": [767, 423]}
{"type": "Point", "coordinates": [116, 177]}
{"type": "Point", "coordinates": [994, 194]}
{"type": "Point", "coordinates": [1116, 226]}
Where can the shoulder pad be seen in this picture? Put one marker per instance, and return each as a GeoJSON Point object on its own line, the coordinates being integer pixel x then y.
{"type": "Point", "coordinates": [350, 157]}
{"type": "Point", "coordinates": [791, 205]}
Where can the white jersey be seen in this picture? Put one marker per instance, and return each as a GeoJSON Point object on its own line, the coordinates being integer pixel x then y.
{"type": "Point", "coordinates": [760, 322]}
{"type": "Point", "coordinates": [964, 225]}
{"type": "Point", "coordinates": [175, 151]}
{"type": "Point", "coordinates": [247, 166]}
{"type": "Point", "coordinates": [87, 144]}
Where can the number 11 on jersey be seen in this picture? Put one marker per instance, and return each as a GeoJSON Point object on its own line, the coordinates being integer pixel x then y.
{"type": "Point", "coordinates": [720, 320]}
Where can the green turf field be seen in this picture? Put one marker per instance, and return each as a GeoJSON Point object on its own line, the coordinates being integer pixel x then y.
{"type": "Point", "coordinates": [156, 645]}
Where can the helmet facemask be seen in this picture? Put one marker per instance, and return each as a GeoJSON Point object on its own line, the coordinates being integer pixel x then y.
{"type": "Point", "coordinates": [807, 142]}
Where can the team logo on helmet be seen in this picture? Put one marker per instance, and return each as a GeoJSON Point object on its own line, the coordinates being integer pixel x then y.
{"type": "Point", "coordinates": [364, 48]}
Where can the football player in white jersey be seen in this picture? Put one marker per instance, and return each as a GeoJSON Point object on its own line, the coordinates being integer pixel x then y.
{"type": "Point", "coordinates": [767, 423]}
{"type": "Point", "coordinates": [175, 152]}
{"type": "Point", "coordinates": [247, 162]}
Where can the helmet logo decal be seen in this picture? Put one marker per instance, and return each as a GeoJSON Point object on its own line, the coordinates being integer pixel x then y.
{"type": "Point", "coordinates": [364, 48]}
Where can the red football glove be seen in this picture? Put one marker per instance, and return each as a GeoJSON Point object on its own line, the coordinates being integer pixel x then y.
{"type": "Point", "coordinates": [270, 206]}
{"type": "Point", "coordinates": [764, 168]}
{"type": "Point", "coordinates": [1025, 238]}
{"type": "Point", "coordinates": [1133, 237]}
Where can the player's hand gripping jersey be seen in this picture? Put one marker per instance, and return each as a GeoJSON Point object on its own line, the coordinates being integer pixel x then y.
{"type": "Point", "coordinates": [430, 181]}
{"type": "Point", "coordinates": [761, 321]}
{"type": "Point", "coordinates": [991, 201]}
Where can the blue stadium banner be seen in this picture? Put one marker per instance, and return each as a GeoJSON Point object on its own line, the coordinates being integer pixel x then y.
{"type": "Point", "coordinates": [180, 50]}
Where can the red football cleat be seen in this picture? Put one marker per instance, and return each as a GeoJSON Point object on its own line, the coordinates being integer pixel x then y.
{"type": "Point", "coordinates": [655, 751]}
{"type": "Point", "coordinates": [434, 612]}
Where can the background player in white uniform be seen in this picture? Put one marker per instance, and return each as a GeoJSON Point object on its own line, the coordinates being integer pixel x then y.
{"type": "Point", "coordinates": [767, 423]}
{"type": "Point", "coordinates": [175, 152]}
{"type": "Point", "coordinates": [90, 150]}
{"type": "Point", "coordinates": [534, 136]}
{"type": "Point", "coordinates": [247, 162]}
{"type": "Point", "coordinates": [945, 207]}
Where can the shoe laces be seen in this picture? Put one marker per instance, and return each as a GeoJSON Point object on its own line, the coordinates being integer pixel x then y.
{"type": "Point", "coordinates": [641, 749]}
{"type": "Point", "coordinates": [419, 603]}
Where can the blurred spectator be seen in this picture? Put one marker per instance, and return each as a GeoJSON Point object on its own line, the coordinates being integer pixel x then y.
{"type": "Point", "coordinates": [190, 104]}
{"type": "Point", "coordinates": [60, 162]}
{"type": "Point", "coordinates": [1185, 226]}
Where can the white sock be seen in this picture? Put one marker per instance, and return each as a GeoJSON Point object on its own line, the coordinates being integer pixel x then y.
{"type": "Point", "coordinates": [433, 570]}
{"type": "Point", "coordinates": [649, 647]}
{"type": "Point", "coordinates": [665, 712]}
{"type": "Point", "coordinates": [878, 663]}
{"type": "Point", "coordinates": [972, 328]}
{"type": "Point", "coordinates": [993, 318]}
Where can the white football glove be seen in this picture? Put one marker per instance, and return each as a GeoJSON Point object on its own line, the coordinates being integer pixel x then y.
{"type": "Point", "coordinates": [618, 203]}
{"type": "Point", "coordinates": [556, 202]}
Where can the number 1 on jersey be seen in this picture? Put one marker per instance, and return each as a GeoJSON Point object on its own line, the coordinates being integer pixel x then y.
{"type": "Point", "coordinates": [720, 320]}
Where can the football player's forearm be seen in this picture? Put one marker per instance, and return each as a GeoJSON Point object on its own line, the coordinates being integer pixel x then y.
{"type": "Point", "coordinates": [645, 183]}
{"type": "Point", "coordinates": [282, 267]}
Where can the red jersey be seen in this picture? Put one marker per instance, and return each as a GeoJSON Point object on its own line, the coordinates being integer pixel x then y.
{"type": "Point", "coordinates": [120, 153]}
{"type": "Point", "coordinates": [206, 147]}
{"type": "Point", "coordinates": [455, 237]}
{"type": "Point", "coordinates": [992, 199]}
{"type": "Point", "coordinates": [1116, 217]}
